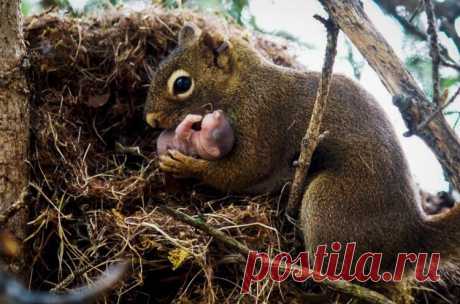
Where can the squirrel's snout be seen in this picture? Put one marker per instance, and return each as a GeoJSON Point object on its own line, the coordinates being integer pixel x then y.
{"type": "Point", "coordinates": [153, 119]}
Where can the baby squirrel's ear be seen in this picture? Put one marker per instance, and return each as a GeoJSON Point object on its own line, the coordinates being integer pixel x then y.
{"type": "Point", "coordinates": [188, 34]}
{"type": "Point", "coordinates": [220, 48]}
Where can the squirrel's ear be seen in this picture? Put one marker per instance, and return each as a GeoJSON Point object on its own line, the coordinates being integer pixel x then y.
{"type": "Point", "coordinates": [220, 48]}
{"type": "Point", "coordinates": [188, 34]}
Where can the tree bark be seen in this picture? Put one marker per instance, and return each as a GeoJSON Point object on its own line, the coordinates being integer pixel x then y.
{"type": "Point", "coordinates": [313, 136]}
{"type": "Point", "coordinates": [14, 118]}
{"type": "Point", "coordinates": [410, 99]}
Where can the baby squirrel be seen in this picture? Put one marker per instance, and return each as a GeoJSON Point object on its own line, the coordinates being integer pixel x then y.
{"type": "Point", "coordinates": [212, 141]}
{"type": "Point", "coordinates": [359, 186]}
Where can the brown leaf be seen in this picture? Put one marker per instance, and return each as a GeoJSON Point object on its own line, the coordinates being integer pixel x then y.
{"type": "Point", "coordinates": [98, 101]}
{"type": "Point", "coordinates": [9, 245]}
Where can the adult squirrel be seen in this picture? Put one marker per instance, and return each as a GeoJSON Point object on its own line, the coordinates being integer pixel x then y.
{"type": "Point", "coordinates": [359, 186]}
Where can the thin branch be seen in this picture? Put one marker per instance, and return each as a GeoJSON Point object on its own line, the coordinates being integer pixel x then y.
{"type": "Point", "coordinates": [424, 123]}
{"type": "Point", "coordinates": [416, 11]}
{"type": "Point", "coordinates": [341, 286]}
{"type": "Point", "coordinates": [434, 50]}
{"type": "Point", "coordinates": [201, 225]}
{"type": "Point", "coordinates": [312, 136]}
{"type": "Point", "coordinates": [451, 64]}
{"type": "Point", "coordinates": [457, 120]}
{"type": "Point", "coordinates": [67, 280]}
{"type": "Point", "coordinates": [448, 27]}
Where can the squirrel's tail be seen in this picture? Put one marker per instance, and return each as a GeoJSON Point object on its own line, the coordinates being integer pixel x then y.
{"type": "Point", "coordinates": [443, 233]}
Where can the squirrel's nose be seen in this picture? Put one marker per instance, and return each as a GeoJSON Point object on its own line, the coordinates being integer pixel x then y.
{"type": "Point", "coordinates": [152, 119]}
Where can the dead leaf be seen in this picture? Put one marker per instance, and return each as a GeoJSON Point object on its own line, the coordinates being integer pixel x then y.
{"type": "Point", "coordinates": [98, 101]}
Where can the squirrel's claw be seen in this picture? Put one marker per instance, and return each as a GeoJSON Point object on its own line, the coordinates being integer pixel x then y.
{"type": "Point", "coordinates": [181, 165]}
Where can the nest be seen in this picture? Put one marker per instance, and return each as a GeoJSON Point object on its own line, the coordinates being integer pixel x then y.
{"type": "Point", "coordinates": [95, 182]}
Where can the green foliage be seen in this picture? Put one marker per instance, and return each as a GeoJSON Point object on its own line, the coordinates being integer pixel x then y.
{"type": "Point", "coordinates": [60, 4]}
{"type": "Point", "coordinates": [168, 3]}
{"type": "Point", "coordinates": [236, 9]}
{"type": "Point", "coordinates": [420, 68]}
{"type": "Point", "coordinates": [26, 7]}
{"type": "Point", "coordinates": [252, 24]}
{"type": "Point", "coordinates": [355, 59]}
{"type": "Point", "coordinates": [66, 6]}
{"type": "Point", "coordinates": [99, 5]}
{"type": "Point", "coordinates": [450, 81]}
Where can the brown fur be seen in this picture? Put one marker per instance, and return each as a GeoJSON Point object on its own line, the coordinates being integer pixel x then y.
{"type": "Point", "coordinates": [359, 186]}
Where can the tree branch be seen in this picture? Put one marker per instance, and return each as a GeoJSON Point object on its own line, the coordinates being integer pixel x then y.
{"type": "Point", "coordinates": [341, 286]}
{"type": "Point", "coordinates": [434, 50]}
{"type": "Point", "coordinates": [410, 99]}
{"type": "Point", "coordinates": [312, 135]}
{"type": "Point", "coordinates": [437, 111]}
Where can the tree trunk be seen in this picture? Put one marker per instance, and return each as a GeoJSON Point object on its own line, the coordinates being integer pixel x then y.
{"type": "Point", "coordinates": [14, 118]}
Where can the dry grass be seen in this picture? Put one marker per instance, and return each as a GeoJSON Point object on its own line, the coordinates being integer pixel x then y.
{"type": "Point", "coordinates": [95, 181]}
{"type": "Point", "coordinates": [95, 184]}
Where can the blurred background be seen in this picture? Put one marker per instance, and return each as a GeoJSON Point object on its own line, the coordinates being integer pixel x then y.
{"type": "Point", "coordinates": [402, 23]}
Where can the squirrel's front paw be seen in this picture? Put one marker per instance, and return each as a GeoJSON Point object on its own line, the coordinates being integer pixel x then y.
{"type": "Point", "coordinates": [181, 165]}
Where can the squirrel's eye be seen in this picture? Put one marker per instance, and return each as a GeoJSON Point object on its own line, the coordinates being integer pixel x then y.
{"type": "Point", "coordinates": [180, 84]}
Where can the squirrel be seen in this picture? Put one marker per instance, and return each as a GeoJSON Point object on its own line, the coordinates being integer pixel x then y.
{"type": "Point", "coordinates": [212, 141]}
{"type": "Point", "coordinates": [359, 188]}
